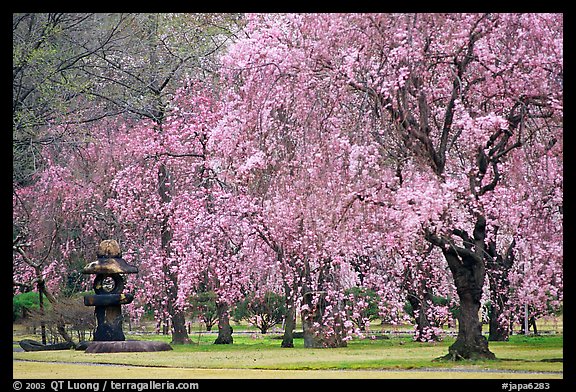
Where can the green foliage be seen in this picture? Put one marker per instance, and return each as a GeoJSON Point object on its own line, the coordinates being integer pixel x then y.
{"type": "Point", "coordinates": [264, 311]}
{"type": "Point", "coordinates": [75, 280]}
{"type": "Point", "coordinates": [436, 300]}
{"type": "Point", "coordinates": [204, 307]}
{"type": "Point", "coordinates": [23, 304]}
{"type": "Point", "coordinates": [363, 301]}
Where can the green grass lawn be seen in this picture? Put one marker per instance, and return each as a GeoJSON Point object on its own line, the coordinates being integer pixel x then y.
{"type": "Point", "coordinates": [256, 354]}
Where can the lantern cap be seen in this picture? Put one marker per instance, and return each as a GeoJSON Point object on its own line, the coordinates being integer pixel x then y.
{"type": "Point", "coordinates": [109, 261]}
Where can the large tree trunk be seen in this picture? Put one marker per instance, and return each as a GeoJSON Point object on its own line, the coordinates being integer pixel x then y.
{"type": "Point", "coordinates": [469, 274]}
{"type": "Point", "coordinates": [468, 270]}
{"type": "Point", "coordinates": [224, 328]}
{"type": "Point", "coordinates": [470, 343]}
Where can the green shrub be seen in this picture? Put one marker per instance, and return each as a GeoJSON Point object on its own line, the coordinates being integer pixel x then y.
{"type": "Point", "coordinates": [204, 308]}
{"type": "Point", "coordinates": [362, 305]}
{"type": "Point", "coordinates": [23, 303]}
{"type": "Point", "coordinates": [263, 311]}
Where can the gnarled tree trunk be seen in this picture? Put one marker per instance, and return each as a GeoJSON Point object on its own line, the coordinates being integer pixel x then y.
{"type": "Point", "coordinates": [224, 328]}
{"type": "Point", "coordinates": [468, 270]}
{"type": "Point", "coordinates": [470, 343]}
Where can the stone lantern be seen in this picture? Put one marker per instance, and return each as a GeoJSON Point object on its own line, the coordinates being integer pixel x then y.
{"type": "Point", "coordinates": [108, 286]}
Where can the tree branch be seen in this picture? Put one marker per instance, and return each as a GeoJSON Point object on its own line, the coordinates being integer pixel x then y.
{"type": "Point", "coordinates": [448, 246]}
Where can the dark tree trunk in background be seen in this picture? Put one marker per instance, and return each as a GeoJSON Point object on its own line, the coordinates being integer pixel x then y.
{"type": "Point", "coordinates": [289, 326]}
{"type": "Point", "coordinates": [224, 328]}
{"type": "Point", "coordinates": [290, 290]}
{"type": "Point", "coordinates": [497, 269]}
{"type": "Point", "coordinates": [420, 314]}
{"type": "Point", "coordinates": [290, 320]}
{"type": "Point", "coordinates": [42, 323]}
{"type": "Point", "coordinates": [531, 323]}
{"type": "Point", "coordinates": [179, 332]}
{"type": "Point", "coordinates": [326, 335]}
{"type": "Point", "coordinates": [497, 331]}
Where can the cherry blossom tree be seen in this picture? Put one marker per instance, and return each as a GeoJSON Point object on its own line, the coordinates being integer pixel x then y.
{"type": "Point", "coordinates": [467, 101]}
{"type": "Point", "coordinates": [163, 197]}
{"type": "Point", "coordinates": [535, 276]}
{"type": "Point", "coordinates": [438, 105]}
{"type": "Point", "coordinates": [58, 221]}
{"type": "Point", "coordinates": [73, 72]}
{"type": "Point", "coordinates": [290, 144]}
{"type": "Point", "coordinates": [106, 185]}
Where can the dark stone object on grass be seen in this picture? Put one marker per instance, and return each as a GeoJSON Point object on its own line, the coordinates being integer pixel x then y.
{"type": "Point", "coordinates": [33, 345]}
{"type": "Point", "coordinates": [82, 345]}
{"type": "Point", "coordinates": [126, 346]}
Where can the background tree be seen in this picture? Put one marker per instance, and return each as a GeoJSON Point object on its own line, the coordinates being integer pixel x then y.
{"type": "Point", "coordinates": [287, 142]}
{"type": "Point", "coordinates": [52, 221]}
{"type": "Point", "coordinates": [47, 84]}
{"type": "Point", "coordinates": [73, 71]}
{"type": "Point", "coordinates": [444, 102]}
{"type": "Point", "coordinates": [76, 69]}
